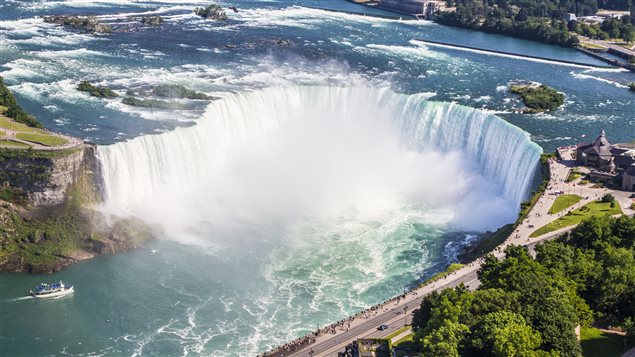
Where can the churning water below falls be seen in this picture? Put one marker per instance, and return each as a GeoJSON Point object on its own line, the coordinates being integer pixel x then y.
{"type": "Point", "coordinates": [338, 167]}
{"type": "Point", "coordinates": [288, 207]}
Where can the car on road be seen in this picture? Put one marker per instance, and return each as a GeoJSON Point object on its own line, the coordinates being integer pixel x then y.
{"type": "Point", "coordinates": [382, 327]}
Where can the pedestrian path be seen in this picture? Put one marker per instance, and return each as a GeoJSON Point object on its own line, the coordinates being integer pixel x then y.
{"type": "Point", "coordinates": [334, 338]}
{"type": "Point", "coordinates": [10, 132]}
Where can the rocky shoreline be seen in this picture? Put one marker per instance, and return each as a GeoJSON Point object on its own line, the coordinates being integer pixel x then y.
{"type": "Point", "coordinates": [51, 220]}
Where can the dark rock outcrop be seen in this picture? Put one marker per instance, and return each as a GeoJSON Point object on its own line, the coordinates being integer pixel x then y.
{"type": "Point", "coordinates": [211, 12]}
{"type": "Point", "coordinates": [86, 23]}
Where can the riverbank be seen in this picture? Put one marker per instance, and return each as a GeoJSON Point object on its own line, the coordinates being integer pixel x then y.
{"type": "Point", "coordinates": [50, 187]}
{"type": "Point", "coordinates": [333, 339]}
{"type": "Point", "coordinates": [48, 211]}
{"type": "Point", "coordinates": [599, 55]}
{"type": "Point", "coordinates": [573, 41]}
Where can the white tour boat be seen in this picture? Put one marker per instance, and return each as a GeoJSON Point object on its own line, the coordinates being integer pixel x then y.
{"type": "Point", "coordinates": [51, 290]}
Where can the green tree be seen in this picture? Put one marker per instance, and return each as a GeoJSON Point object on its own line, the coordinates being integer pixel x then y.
{"type": "Point", "coordinates": [614, 292]}
{"type": "Point", "coordinates": [10, 107]}
{"type": "Point", "coordinates": [548, 301]}
{"type": "Point", "coordinates": [503, 333]}
{"type": "Point", "coordinates": [444, 341]}
{"type": "Point", "coordinates": [511, 335]}
{"type": "Point", "coordinates": [594, 233]}
{"type": "Point", "coordinates": [624, 230]}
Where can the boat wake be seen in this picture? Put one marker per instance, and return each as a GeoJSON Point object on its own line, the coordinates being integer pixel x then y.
{"type": "Point", "coordinates": [22, 298]}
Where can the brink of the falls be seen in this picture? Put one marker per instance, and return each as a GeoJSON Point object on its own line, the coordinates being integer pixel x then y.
{"type": "Point", "coordinates": [473, 155]}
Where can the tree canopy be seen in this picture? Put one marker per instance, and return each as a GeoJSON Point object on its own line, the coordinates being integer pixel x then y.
{"type": "Point", "coordinates": [530, 306]}
{"type": "Point", "coordinates": [539, 20]}
{"type": "Point", "coordinates": [10, 107]}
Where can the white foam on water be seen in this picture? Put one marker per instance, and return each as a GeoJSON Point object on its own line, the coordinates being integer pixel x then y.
{"type": "Point", "coordinates": [34, 31]}
{"type": "Point", "coordinates": [108, 3]}
{"type": "Point", "coordinates": [483, 99]}
{"type": "Point", "coordinates": [600, 79]}
{"type": "Point", "coordinates": [21, 298]}
{"type": "Point", "coordinates": [328, 187]}
{"type": "Point", "coordinates": [490, 53]}
{"type": "Point", "coordinates": [21, 69]}
{"type": "Point", "coordinates": [303, 17]}
{"type": "Point", "coordinates": [64, 90]}
{"type": "Point", "coordinates": [410, 53]}
{"type": "Point", "coordinates": [64, 54]}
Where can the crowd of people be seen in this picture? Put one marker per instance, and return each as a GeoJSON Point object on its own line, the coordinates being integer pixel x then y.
{"type": "Point", "coordinates": [345, 324]}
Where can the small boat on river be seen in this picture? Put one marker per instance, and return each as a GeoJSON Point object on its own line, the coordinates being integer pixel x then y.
{"type": "Point", "coordinates": [51, 290]}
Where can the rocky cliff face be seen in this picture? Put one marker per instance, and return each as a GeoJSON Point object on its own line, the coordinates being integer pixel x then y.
{"type": "Point", "coordinates": [48, 218]}
{"type": "Point", "coordinates": [45, 177]}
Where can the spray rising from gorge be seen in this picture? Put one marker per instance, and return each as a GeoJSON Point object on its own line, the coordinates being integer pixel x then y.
{"type": "Point", "coordinates": [283, 154]}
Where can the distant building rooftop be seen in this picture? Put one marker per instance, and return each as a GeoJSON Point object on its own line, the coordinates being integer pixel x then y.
{"type": "Point", "coordinates": [591, 19]}
{"type": "Point", "coordinates": [426, 8]}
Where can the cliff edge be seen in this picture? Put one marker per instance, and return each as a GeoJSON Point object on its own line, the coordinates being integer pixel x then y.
{"type": "Point", "coordinates": [48, 215]}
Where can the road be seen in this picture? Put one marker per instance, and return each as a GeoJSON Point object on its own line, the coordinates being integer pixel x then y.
{"type": "Point", "coordinates": [391, 313]}
{"type": "Point", "coordinates": [613, 46]}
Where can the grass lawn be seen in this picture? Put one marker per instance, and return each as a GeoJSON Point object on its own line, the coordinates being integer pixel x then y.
{"type": "Point", "coordinates": [10, 124]}
{"type": "Point", "coordinates": [398, 331]}
{"type": "Point", "coordinates": [563, 202]}
{"type": "Point", "coordinates": [2, 133]}
{"type": "Point", "coordinates": [48, 140]}
{"type": "Point", "coordinates": [577, 216]}
{"type": "Point", "coordinates": [592, 45]}
{"type": "Point", "coordinates": [573, 175]}
{"type": "Point", "coordinates": [599, 343]}
{"type": "Point", "coordinates": [13, 144]}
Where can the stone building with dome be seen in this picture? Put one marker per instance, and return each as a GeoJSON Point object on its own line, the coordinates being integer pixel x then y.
{"type": "Point", "coordinates": [615, 162]}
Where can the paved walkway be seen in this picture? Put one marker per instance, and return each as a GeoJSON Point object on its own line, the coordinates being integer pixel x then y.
{"type": "Point", "coordinates": [612, 46]}
{"type": "Point", "coordinates": [402, 335]}
{"type": "Point", "coordinates": [71, 142]}
{"type": "Point", "coordinates": [397, 311]}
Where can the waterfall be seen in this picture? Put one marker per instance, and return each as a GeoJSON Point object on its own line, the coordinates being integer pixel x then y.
{"type": "Point", "coordinates": [142, 167]}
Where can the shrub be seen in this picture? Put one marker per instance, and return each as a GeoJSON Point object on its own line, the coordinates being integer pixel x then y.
{"type": "Point", "coordinates": [152, 103]}
{"type": "Point", "coordinates": [12, 109]}
{"type": "Point", "coordinates": [539, 98]}
{"type": "Point", "coordinates": [96, 91]}
{"type": "Point", "coordinates": [177, 91]}
{"type": "Point", "coordinates": [608, 198]}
